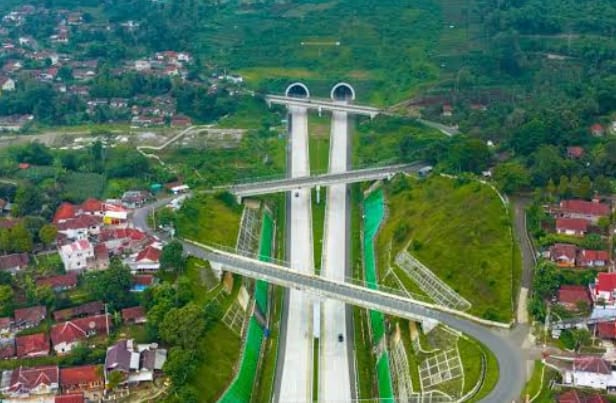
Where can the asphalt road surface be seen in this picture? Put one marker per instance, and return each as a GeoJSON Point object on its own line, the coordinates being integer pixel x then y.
{"type": "Point", "coordinates": [334, 373]}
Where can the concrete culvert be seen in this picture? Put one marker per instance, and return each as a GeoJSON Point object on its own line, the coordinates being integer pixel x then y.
{"type": "Point", "coordinates": [343, 92]}
{"type": "Point", "coordinates": [297, 90]}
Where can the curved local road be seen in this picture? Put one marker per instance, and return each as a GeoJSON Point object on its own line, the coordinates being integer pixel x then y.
{"type": "Point", "coordinates": [510, 358]}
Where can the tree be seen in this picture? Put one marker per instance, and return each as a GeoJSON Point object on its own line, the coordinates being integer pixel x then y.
{"type": "Point", "coordinates": [511, 177]}
{"type": "Point", "coordinates": [111, 285]}
{"type": "Point", "coordinates": [183, 326]}
{"type": "Point", "coordinates": [172, 256]}
{"type": "Point", "coordinates": [180, 365]}
{"type": "Point", "coordinates": [21, 240]}
{"type": "Point", "coordinates": [604, 223]}
{"type": "Point", "coordinates": [593, 241]}
{"type": "Point", "coordinates": [115, 379]}
{"type": "Point", "coordinates": [27, 200]}
{"type": "Point", "coordinates": [6, 299]}
{"type": "Point", "coordinates": [48, 233]}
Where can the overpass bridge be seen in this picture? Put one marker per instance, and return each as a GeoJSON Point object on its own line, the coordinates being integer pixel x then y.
{"type": "Point", "coordinates": [510, 380]}
{"type": "Point", "coordinates": [321, 105]}
{"type": "Point", "coordinates": [288, 184]}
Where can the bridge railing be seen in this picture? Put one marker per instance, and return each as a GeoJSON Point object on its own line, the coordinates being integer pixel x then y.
{"type": "Point", "coordinates": [396, 304]}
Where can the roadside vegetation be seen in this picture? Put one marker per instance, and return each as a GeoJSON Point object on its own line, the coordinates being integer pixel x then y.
{"type": "Point", "coordinates": [461, 231]}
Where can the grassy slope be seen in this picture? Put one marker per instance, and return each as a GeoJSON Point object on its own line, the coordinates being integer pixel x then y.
{"type": "Point", "coordinates": [465, 238]}
{"type": "Point", "coordinates": [204, 218]}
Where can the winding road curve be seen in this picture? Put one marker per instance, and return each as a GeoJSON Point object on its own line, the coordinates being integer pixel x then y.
{"type": "Point", "coordinates": [510, 359]}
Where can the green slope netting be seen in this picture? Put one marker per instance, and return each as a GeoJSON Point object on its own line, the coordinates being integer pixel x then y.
{"type": "Point", "coordinates": [241, 388]}
{"type": "Point", "coordinates": [374, 212]}
{"type": "Point", "coordinates": [265, 250]}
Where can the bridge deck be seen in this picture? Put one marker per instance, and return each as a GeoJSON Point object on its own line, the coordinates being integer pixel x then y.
{"type": "Point", "coordinates": [288, 184]}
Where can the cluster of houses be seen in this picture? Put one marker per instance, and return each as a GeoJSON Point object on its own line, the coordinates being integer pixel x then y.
{"type": "Point", "coordinates": [89, 233]}
{"type": "Point", "coordinates": [578, 218]}
{"type": "Point", "coordinates": [44, 61]}
{"type": "Point", "coordinates": [81, 325]}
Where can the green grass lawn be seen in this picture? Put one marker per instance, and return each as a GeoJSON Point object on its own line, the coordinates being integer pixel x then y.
{"type": "Point", "coordinates": [318, 143]}
{"type": "Point", "coordinates": [221, 349]}
{"type": "Point", "coordinates": [461, 232]}
{"type": "Point", "coordinates": [207, 219]}
{"type": "Point", "coordinates": [534, 384]}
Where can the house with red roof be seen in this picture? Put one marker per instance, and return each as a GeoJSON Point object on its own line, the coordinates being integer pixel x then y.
{"type": "Point", "coordinates": [101, 257]}
{"type": "Point", "coordinates": [77, 256]}
{"type": "Point", "coordinates": [575, 152]}
{"type": "Point", "coordinates": [33, 382]}
{"type": "Point", "coordinates": [80, 227]}
{"type": "Point", "coordinates": [65, 211]}
{"type": "Point", "coordinates": [146, 260]}
{"type": "Point", "coordinates": [603, 291]}
{"type": "Point", "coordinates": [574, 396]}
{"type": "Point", "coordinates": [563, 254]}
{"type": "Point", "coordinates": [571, 226]}
{"type": "Point", "coordinates": [134, 315]}
{"type": "Point", "coordinates": [606, 330]}
{"type": "Point", "coordinates": [590, 211]}
{"type": "Point", "coordinates": [142, 282]}
{"type": "Point", "coordinates": [65, 336]}
{"type": "Point", "coordinates": [32, 345]}
{"type": "Point", "coordinates": [590, 372]}
{"type": "Point", "coordinates": [14, 263]}
{"type": "Point", "coordinates": [7, 348]}
{"type": "Point", "coordinates": [5, 325]}
{"type": "Point", "coordinates": [87, 309]}
{"type": "Point", "coordinates": [70, 398]}
{"type": "Point", "coordinates": [121, 240]}
{"type": "Point", "coordinates": [593, 258]}
{"type": "Point", "coordinates": [29, 317]}
{"type": "Point", "coordinates": [597, 130]}
{"type": "Point", "coordinates": [59, 283]}
{"type": "Point", "coordinates": [571, 296]}
{"type": "Point", "coordinates": [83, 379]}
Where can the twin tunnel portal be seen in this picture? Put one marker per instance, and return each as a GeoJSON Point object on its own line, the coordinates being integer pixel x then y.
{"type": "Point", "coordinates": [315, 305]}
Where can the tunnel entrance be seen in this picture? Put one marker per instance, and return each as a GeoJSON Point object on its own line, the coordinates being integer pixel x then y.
{"type": "Point", "coordinates": [297, 90]}
{"type": "Point", "coordinates": [342, 92]}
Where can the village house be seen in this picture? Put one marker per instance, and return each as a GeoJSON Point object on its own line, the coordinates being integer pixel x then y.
{"type": "Point", "coordinates": [35, 382]}
{"type": "Point", "coordinates": [65, 336]}
{"type": "Point", "coordinates": [591, 372]}
{"type": "Point", "coordinates": [33, 345]}
{"type": "Point", "coordinates": [14, 123]}
{"type": "Point", "coordinates": [593, 258]}
{"type": "Point", "coordinates": [59, 283]}
{"type": "Point", "coordinates": [29, 317]}
{"type": "Point", "coordinates": [6, 324]}
{"type": "Point", "coordinates": [138, 363]}
{"type": "Point", "coordinates": [77, 256]}
{"type": "Point", "coordinates": [571, 226]}
{"type": "Point", "coordinates": [14, 263]}
{"type": "Point", "coordinates": [134, 315]}
{"type": "Point", "coordinates": [87, 309]}
{"type": "Point", "coordinates": [603, 290]}
{"type": "Point", "coordinates": [7, 348]}
{"type": "Point", "coordinates": [7, 84]}
{"type": "Point", "coordinates": [71, 398]}
{"type": "Point", "coordinates": [571, 297]}
{"type": "Point", "coordinates": [590, 211]}
{"type": "Point", "coordinates": [87, 379]}
{"type": "Point", "coordinates": [575, 152]}
{"type": "Point", "coordinates": [134, 198]}
{"type": "Point", "coordinates": [606, 330]}
{"type": "Point", "coordinates": [122, 240]}
{"type": "Point", "coordinates": [597, 130]}
{"type": "Point", "coordinates": [80, 227]}
{"type": "Point", "coordinates": [141, 282]}
{"type": "Point", "coordinates": [574, 396]}
{"type": "Point", "coordinates": [146, 260]}
{"type": "Point", "coordinates": [563, 254]}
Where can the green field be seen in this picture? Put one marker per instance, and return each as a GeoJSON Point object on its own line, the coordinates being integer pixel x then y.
{"type": "Point", "coordinates": [207, 219]}
{"type": "Point", "coordinates": [461, 232]}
